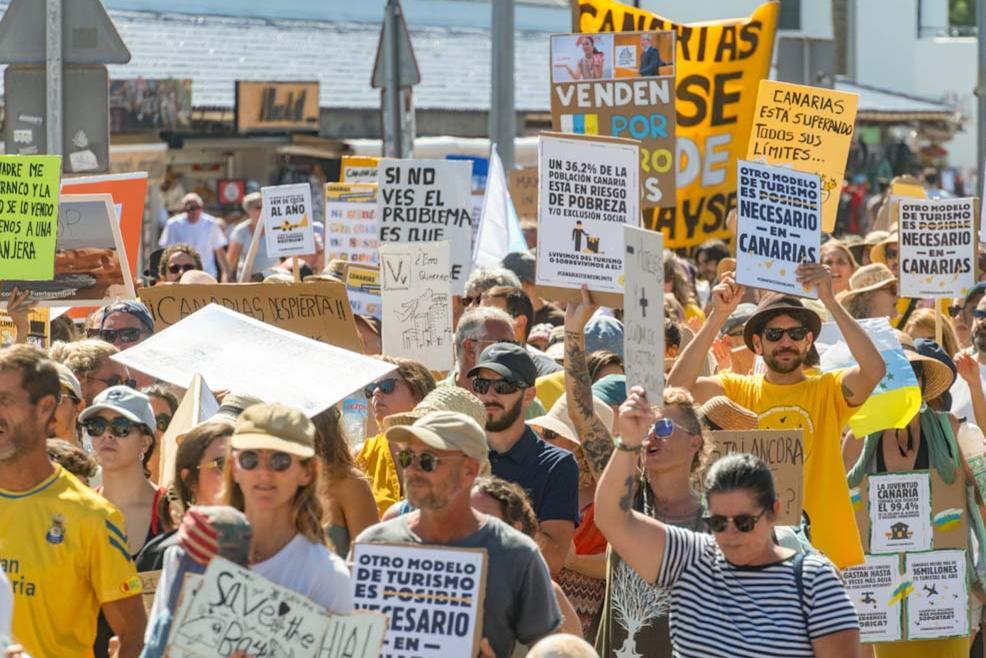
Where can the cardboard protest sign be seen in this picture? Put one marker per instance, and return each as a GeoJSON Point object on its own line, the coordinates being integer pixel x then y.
{"type": "Point", "coordinates": [90, 259]}
{"type": "Point", "coordinates": [938, 606]}
{"type": "Point", "coordinates": [363, 288]}
{"type": "Point", "coordinates": [900, 512]}
{"type": "Point", "coordinates": [359, 169]}
{"type": "Point", "coordinates": [808, 128]}
{"type": "Point", "coordinates": [871, 586]}
{"type": "Point", "coordinates": [148, 587]}
{"type": "Point", "coordinates": [417, 302]}
{"type": "Point", "coordinates": [351, 232]}
{"type": "Point", "coordinates": [316, 309]}
{"type": "Point", "coordinates": [236, 610]}
{"type": "Point", "coordinates": [196, 406]}
{"type": "Point", "coordinates": [233, 352]}
{"type": "Point", "coordinates": [432, 596]}
{"type": "Point", "coordinates": [589, 191]}
{"type": "Point", "coordinates": [429, 201]}
{"type": "Point", "coordinates": [287, 216]}
{"type": "Point", "coordinates": [39, 331]}
{"type": "Point", "coordinates": [621, 85]}
{"type": "Point", "coordinates": [643, 311]}
{"type": "Point", "coordinates": [28, 215]}
{"type": "Point", "coordinates": [523, 186]}
{"type": "Point", "coordinates": [937, 248]}
{"type": "Point", "coordinates": [777, 227]}
{"type": "Point", "coordinates": [719, 65]}
{"type": "Point", "coordinates": [784, 452]}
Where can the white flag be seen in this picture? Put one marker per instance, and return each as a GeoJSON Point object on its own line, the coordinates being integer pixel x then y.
{"type": "Point", "coordinates": [499, 228]}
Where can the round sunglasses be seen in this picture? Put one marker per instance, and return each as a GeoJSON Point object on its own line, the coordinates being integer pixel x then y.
{"type": "Point", "coordinates": [119, 427]}
{"type": "Point", "coordinates": [427, 461]}
{"type": "Point", "coordinates": [743, 522]}
{"type": "Point", "coordinates": [250, 459]}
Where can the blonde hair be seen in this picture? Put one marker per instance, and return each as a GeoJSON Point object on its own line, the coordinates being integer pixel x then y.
{"type": "Point", "coordinates": [82, 357]}
{"type": "Point", "coordinates": [922, 321]}
{"type": "Point", "coordinates": [840, 246]}
{"type": "Point", "coordinates": [682, 400]}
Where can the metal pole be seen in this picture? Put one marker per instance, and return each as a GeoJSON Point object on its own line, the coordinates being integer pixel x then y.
{"type": "Point", "coordinates": [392, 91]}
{"type": "Point", "coordinates": [503, 126]}
{"type": "Point", "coordinates": [981, 90]}
{"type": "Point", "coordinates": [53, 76]}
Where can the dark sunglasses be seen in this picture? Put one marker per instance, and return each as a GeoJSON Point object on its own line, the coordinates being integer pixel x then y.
{"type": "Point", "coordinates": [427, 461]}
{"type": "Point", "coordinates": [126, 335]}
{"type": "Point", "coordinates": [469, 301]}
{"type": "Point", "coordinates": [953, 311]}
{"type": "Point", "coordinates": [250, 459]}
{"type": "Point", "coordinates": [385, 385]}
{"type": "Point", "coordinates": [501, 386]}
{"type": "Point", "coordinates": [774, 334]}
{"type": "Point", "coordinates": [193, 207]}
{"type": "Point", "coordinates": [743, 522]}
{"type": "Point", "coordinates": [116, 380]}
{"type": "Point", "coordinates": [119, 427]}
{"type": "Point", "coordinates": [891, 252]}
{"type": "Point", "coordinates": [175, 269]}
{"type": "Point", "coordinates": [979, 314]}
{"type": "Point", "coordinates": [162, 420]}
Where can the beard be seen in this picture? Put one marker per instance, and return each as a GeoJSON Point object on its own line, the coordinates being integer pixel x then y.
{"type": "Point", "coordinates": [979, 336]}
{"type": "Point", "coordinates": [783, 368]}
{"type": "Point", "coordinates": [20, 438]}
{"type": "Point", "coordinates": [509, 417]}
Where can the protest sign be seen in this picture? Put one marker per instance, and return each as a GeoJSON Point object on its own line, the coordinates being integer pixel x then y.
{"type": "Point", "coordinates": [38, 333]}
{"type": "Point", "coordinates": [359, 169]}
{"type": "Point", "coordinates": [808, 128]}
{"type": "Point", "coordinates": [432, 596]}
{"type": "Point", "coordinates": [523, 186]}
{"type": "Point", "coordinates": [316, 309]}
{"type": "Point", "coordinates": [363, 288]}
{"type": "Point", "coordinates": [718, 67]}
{"type": "Point", "coordinates": [197, 405]}
{"type": "Point", "coordinates": [937, 248]}
{"type": "Point", "coordinates": [643, 310]}
{"type": "Point", "coordinates": [351, 232]}
{"type": "Point", "coordinates": [871, 587]}
{"type": "Point", "coordinates": [287, 216]}
{"type": "Point", "coordinates": [89, 257]}
{"type": "Point", "coordinates": [972, 445]}
{"type": "Point", "coordinates": [233, 352]}
{"type": "Point", "coordinates": [417, 302]}
{"type": "Point", "coordinates": [236, 610]}
{"type": "Point", "coordinates": [777, 227]}
{"type": "Point", "coordinates": [784, 452]}
{"type": "Point", "coordinates": [621, 85]}
{"type": "Point", "coordinates": [939, 605]}
{"type": "Point", "coordinates": [148, 586]}
{"type": "Point", "coordinates": [429, 201]}
{"type": "Point", "coordinates": [900, 512]}
{"type": "Point", "coordinates": [589, 191]}
{"type": "Point", "coordinates": [28, 215]}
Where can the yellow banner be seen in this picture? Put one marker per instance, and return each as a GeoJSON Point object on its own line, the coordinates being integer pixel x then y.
{"type": "Point", "coordinates": [718, 68]}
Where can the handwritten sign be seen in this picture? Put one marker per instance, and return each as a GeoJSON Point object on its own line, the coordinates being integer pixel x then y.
{"type": "Point", "coordinates": [236, 610]}
{"type": "Point", "coordinates": [900, 512]}
{"type": "Point", "coordinates": [288, 225]}
{"type": "Point", "coordinates": [429, 201]}
{"type": "Point", "coordinates": [589, 191]}
{"type": "Point", "coordinates": [417, 302]}
{"type": "Point", "coordinates": [28, 215]}
{"type": "Point", "coordinates": [643, 310]}
{"type": "Point", "coordinates": [939, 605]}
{"type": "Point", "coordinates": [808, 128]}
{"type": "Point", "coordinates": [937, 247]}
{"type": "Point", "coordinates": [351, 232]}
{"type": "Point", "coordinates": [523, 186]}
{"type": "Point", "coordinates": [363, 288]}
{"type": "Point", "coordinates": [359, 169]}
{"type": "Point", "coordinates": [778, 227]}
{"type": "Point", "coordinates": [871, 586]}
{"type": "Point", "coordinates": [148, 586]}
{"type": "Point", "coordinates": [432, 596]}
{"type": "Point", "coordinates": [784, 452]}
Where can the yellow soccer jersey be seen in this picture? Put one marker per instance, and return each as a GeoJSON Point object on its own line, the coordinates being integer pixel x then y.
{"type": "Point", "coordinates": [64, 551]}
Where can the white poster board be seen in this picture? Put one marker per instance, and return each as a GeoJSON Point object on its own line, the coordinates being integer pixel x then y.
{"type": "Point", "coordinates": [871, 588]}
{"type": "Point", "coordinates": [589, 190]}
{"type": "Point", "coordinates": [939, 605]}
{"type": "Point", "coordinates": [778, 227]}
{"type": "Point", "coordinates": [351, 231]}
{"type": "Point", "coordinates": [288, 220]}
{"type": "Point", "coordinates": [234, 352]}
{"type": "Point", "coordinates": [417, 302]}
{"type": "Point", "coordinates": [900, 512]}
{"type": "Point", "coordinates": [643, 311]}
{"type": "Point", "coordinates": [428, 201]}
{"type": "Point", "coordinates": [382, 574]}
{"type": "Point", "coordinates": [937, 247]}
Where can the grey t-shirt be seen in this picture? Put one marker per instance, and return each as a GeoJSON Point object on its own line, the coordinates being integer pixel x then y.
{"type": "Point", "coordinates": [520, 604]}
{"type": "Point", "coordinates": [242, 235]}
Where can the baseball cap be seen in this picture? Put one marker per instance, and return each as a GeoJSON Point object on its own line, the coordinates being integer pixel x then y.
{"type": "Point", "coordinates": [778, 304]}
{"type": "Point", "coordinates": [611, 389]}
{"type": "Point", "coordinates": [604, 332]}
{"type": "Point", "coordinates": [68, 379]}
{"type": "Point", "coordinates": [136, 309]}
{"type": "Point", "coordinates": [233, 406]}
{"type": "Point", "coordinates": [977, 290]}
{"type": "Point", "coordinates": [274, 427]}
{"type": "Point", "coordinates": [445, 430]}
{"type": "Point", "coordinates": [132, 405]}
{"type": "Point", "coordinates": [508, 360]}
{"type": "Point", "coordinates": [521, 263]}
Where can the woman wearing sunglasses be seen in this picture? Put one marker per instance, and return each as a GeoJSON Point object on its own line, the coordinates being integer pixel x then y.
{"type": "Point", "coordinates": [735, 592]}
{"type": "Point", "coordinates": [164, 404]}
{"type": "Point", "coordinates": [176, 260]}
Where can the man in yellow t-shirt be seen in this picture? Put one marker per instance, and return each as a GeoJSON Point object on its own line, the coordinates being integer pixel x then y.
{"type": "Point", "coordinates": [62, 546]}
{"type": "Point", "coordinates": [782, 331]}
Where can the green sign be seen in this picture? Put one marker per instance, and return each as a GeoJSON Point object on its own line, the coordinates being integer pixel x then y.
{"type": "Point", "coordinates": [28, 216]}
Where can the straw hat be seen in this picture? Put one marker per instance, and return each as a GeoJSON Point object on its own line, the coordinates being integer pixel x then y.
{"type": "Point", "coordinates": [868, 278]}
{"type": "Point", "coordinates": [938, 377]}
{"type": "Point", "coordinates": [443, 398]}
{"type": "Point", "coordinates": [879, 252]}
{"type": "Point", "coordinates": [727, 415]}
{"type": "Point", "coordinates": [874, 238]}
{"type": "Point", "coordinates": [558, 421]}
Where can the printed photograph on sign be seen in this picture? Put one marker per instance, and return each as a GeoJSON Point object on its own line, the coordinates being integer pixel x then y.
{"type": "Point", "coordinates": [581, 57]}
{"type": "Point", "coordinates": [643, 311]}
{"type": "Point", "coordinates": [351, 231]}
{"type": "Point", "coordinates": [900, 512]}
{"type": "Point", "coordinates": [643, 54]}
{"type": "Point", "coordinates": [937, 257]}
{"type": "Point", "coordinates": [938, 606]}
{"type": "Point", "coordinates": [289, 227]}
{"type": "Point", "coordinates": [873, 588]}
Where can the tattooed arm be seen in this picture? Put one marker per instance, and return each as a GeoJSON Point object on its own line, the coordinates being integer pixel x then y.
{"type": "Point", "coordinates": [636, 538]}
{"type": "Point", "coordinates": [597, 444]}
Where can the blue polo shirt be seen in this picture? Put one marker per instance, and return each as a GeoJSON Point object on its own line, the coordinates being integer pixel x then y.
{"type": "Point", "coordinates": [550, 476]}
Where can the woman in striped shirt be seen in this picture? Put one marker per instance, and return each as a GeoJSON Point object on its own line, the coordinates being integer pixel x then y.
{"type": "Point", "coordinates": [735, 592]}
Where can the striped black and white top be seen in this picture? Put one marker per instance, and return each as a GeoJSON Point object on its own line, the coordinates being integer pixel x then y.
{"type": "Point", "coordinates": [718, 609]}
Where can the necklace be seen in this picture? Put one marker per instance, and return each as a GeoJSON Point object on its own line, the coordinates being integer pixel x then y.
{"type": "Point", "coordinates": [910, 442]}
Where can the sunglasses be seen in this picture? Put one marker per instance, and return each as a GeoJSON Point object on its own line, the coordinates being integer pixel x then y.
{"type": "Point", "coordinates": [218, 463]}
{"type": "Point", "coordinates": [427, 461]}
{"type": "Point", "coordinates": [979, 314]}
{"type": "Point", "coordinates": [469, 301]}
{"type": "Point", "coordinates": [193, 207]}
{"type": "Point", "coordinates": [126, 335]}
{"type": "Point", "coordinates": [664, 428]}
{"type": "Point", "coordinates": [119, 427]}
{"type": "Point", "coordinates": [116, 380]}
{"type": "Point", "coordinates": [501, 386]}
{"type": "Point", "coordinates": [386, 386]}
{"type": "Point", "coordinates": [774, 334]}
{"type": "Point", "coordinates": [891, 252]}
{"type": "Point", "coordinates": [250, 459]}
{"type": "Point", "coordinates": [743, 522]}
{"type": "Point", "coordinates": [162, 420]}
{"type": "Point", "coordinates": [175, 269]}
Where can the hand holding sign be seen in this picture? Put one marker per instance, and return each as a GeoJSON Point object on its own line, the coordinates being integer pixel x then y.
{"type": "Point", "coordinates": [727, 295]}
{"type": "Point", "coordinates": [578, 315]}
{"type": "Point", "coordinates": [818, 276]}
{"type": "Point", "coordinates": [636, 416]}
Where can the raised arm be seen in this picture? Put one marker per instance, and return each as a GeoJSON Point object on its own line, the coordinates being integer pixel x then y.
{"type": "Point", "coordinates": [19, 306]}
{"type": "Point", "coordinates": [968, 369]}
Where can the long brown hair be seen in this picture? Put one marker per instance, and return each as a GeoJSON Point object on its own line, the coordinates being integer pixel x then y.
{"type": "Point", "coordinates": [332, 448]}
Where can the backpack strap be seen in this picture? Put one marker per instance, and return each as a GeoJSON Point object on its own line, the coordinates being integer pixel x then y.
{"type": "Point", "coordinates": [799, 583]}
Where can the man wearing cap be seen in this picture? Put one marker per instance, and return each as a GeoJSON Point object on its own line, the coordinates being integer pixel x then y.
{"type": "Point", "coordinates": [202, 231]}
{"type": "Point", "coordinates": [524, 265]}
{"type": "Point", "coordinates": [124, 324]}
{"type": "Point", "coordinates": [443, 452]}
{"type": "Point", "coordinates": [782, 332]}
{"type": "Point", "coordinates": [63, 547]}
{"type": "Point", "coordinates": [503, 379]}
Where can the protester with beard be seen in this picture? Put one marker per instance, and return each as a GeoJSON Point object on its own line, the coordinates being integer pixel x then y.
{"type": "Point", "coordinates": [503, 379]}
{"type": "Point", "coordinates": [442, 454]}
{"type": "Point", "coordinates": [962, 396]}
{"type": "Point", "coordinates": [783, 332]}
